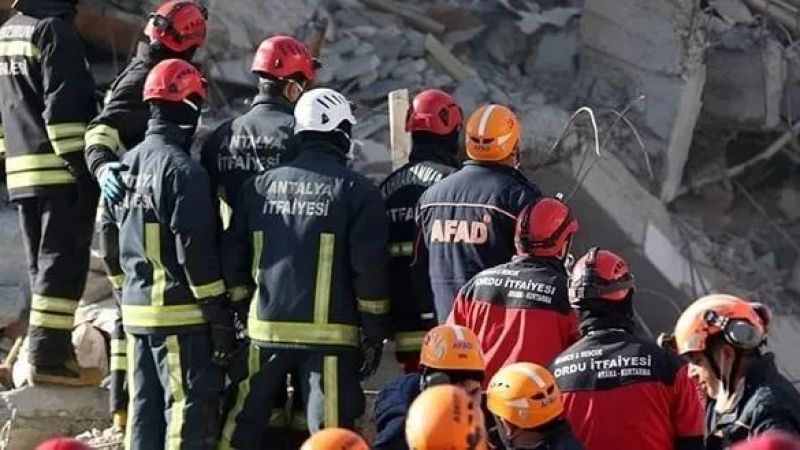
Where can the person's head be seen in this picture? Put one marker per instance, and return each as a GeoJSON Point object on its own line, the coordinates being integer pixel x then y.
{"type": "Point", "coordinates": [63, 443]}
{"type": "Point", "coordinates": [444, 417]}
{"type": "Point", "coordinates": [335, 439]}
{"type": "Point", "coordinates": [451, 354]}
{"type": "Point", "coordinates": [601, 290]}
{"type": "Point", "coordinates": [285, 66]}
{"type": "Point", "coordinates": [175, 91]}
{"type": "Point", "coordinates": [770, 440]}
{"type": "Point", "coordinates": [325, 115]}
{"type": "Point", "coordinates": [525, 401]}
{"type": "Point", "coordinates": [177, 28]}
{"type": "Point", "coordinates": [545, 229]}
{"type": "Point", "coordinates": [719, 334]}
{"type": "Point", "coordinates": [493, 135]}
{"type": "Point", "coordinates": [435, 118]}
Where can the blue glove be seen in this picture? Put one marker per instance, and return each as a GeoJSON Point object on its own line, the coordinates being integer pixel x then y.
{"type": "Point", "coordinates": [110, 182]}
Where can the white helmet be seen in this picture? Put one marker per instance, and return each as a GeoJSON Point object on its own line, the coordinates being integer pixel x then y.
{"type": "Point", "coordinates": [323, 110]}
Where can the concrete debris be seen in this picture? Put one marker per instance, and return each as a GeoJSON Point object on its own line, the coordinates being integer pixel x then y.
{"type": "Point", "coordinates": [357, 67]}
{"type": "Point", "coordinates": [789, 202]}
{"type": "Point", "coordinates": [531, 22]}
{"type": "Point", "coordinates": [733, 11]}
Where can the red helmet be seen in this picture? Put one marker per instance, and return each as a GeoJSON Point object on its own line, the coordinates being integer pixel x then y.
{"type": "Point", "coordinates": [434, 111]}
{"type": "Point", "coordinates": [770, 440]}
{"type": "Point", "coordinates": [174, 80]}
{"type": "Point", "coordinates": [284, 56]}
{"type": "Point", "coordinates": [544, 228]}
{"type": "Point", "coordinates": [63, 444]}
{"type": "Point", "coordinates": [178, 25]}
{"type": "Point", "coordinates": [600, 274]}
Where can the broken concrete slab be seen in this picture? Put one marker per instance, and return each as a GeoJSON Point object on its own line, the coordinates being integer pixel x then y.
{"type": "Point", "coordinates": [733, 11]}
{"type": "Point", "coordinates": [356, 67]}
{"type": "Point", "coordinates": [471, 94]}
{"type": "Point", "coordinates": [531, 22]}
{"type": "Point", "coordinates": [555, 56]}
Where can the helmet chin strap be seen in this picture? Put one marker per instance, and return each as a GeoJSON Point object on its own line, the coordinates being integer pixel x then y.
{"type": "Point", "coordinates": [726, 372]}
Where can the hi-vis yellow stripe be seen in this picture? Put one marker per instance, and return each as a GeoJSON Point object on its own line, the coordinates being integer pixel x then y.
{"type": "Point", "coordinates": [117, 280]}
{"type": "Point", "coordinates": [53, 304]}
{"type": "Point", "coordinates": [398, 249]}
{"type": "Point", "coordinates": [322, 295]}
{"type": "Point", "coordinates": [132, 388]}
{"type": "Point", "coordinates": [103, 135]}
{"type": "Point", "coordinates": [31, 179]}
{"type": "Point", "coordinates": [243, 391]}
{"type": "Point", "coordinates": [301, 333]}
{"type": "Point", "coordinates": [177, 417]}
{"type": "Point", "coordinates": [19, 48]}
{"type": "Point", "coordinates": [66, 137]}
{"type": "Point", "coordinates": [34, 162]}
{"type": "Point", "coordinates": [152, 248]}
{"type": "Point", "coordinates": [258, 249]}
{"type": "Point", "coordinates": [147, 316]}
{"type": "Point", "coordinates": [53, 321]}
{"type": "Point", "coordinates": [25, 171]}
{"type": "Point", "coordinates": [330, 385]}
{"type": "Point", "coordinates": [409, 341]}
{"type": "Point", "coordinates": [373, 306]}
{"type": "Point", "coordinates": [238, 293]}
{"type": "Point", "coordinates": [212, 289]}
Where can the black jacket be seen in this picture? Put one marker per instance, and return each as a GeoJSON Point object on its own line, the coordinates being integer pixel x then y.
{"type": "Point", "coordinates": [412, 317]}
{"type": "Point", "coordinates": [123, 121]}
{"type": "Point", "coordinates": [768, 402]}
{"type": "Point", "coordinates": [163, 234]}
{"type": "Point", "coordinates": [467, 223]}
{"type": "Point", "coordinates": [46, 100]}
{"type": "Point", "coordinates": [311, 236]}
{"type": "Point", "coordinates": [259, 140]}
{"type": "Point", "coordinates": [559, 436]}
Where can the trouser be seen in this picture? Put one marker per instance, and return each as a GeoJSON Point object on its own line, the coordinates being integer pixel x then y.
{"type": "Point", "coordinates": [175, 392]}
{"type": "Point", "coordinates": [57, 234]}
{"type": "Point", "coordinates": [328, 382]}
{"type": "Point", "coordinates": [118, 390]}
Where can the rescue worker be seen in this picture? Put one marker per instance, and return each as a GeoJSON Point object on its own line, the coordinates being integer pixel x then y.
{"type": "Point", "coordinates": [46, 100]}
{"type": "Point", "coordinates": [174, 30]}
{"type": "Point", "coordinates": [445, 417]}
{"type": "Point", "coordinates": [771, 440]}
{"type": "Point", "coordinates": [310, 237]}
{"type": "Point", "coordinates": [520, 310]}
{"type": "Point", "coordinates": [467, 220]}
{"type": "Point", "coordinates": [259, 140]}
{"type": "Point", "coordinates": [450, 354]}
{"type": "Point", "coordinates": [335, 439]}
{"type": "Point", "coordinates": [723, 336]}
{"type": "Point", "coordinates": [435, 122]}
{"type": "Point", "coordinates": [528, 409]}
{"type": "Point", "coordinates": [175, 309]}
{"type": "Point", "coordinates": [621, 390]}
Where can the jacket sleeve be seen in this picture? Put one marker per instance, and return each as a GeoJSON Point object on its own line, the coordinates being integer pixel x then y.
{"type": "Point", "coordinates": [237, 254]}
{"type": "Point", "coordinates": [391, 409]}
{"type": "Point", "coordinates": [109, 247]}
{"type": "Point", "coordinates": [68, 89]}
{"type": "Point", "coordinates": [369, 260]}
{"type": "Point", "coordinates": [193, 224]}
{"type": "Point", "coordinates": [771, 413]}
{"type": "Point", "coordinates": [420, 277]}
{"type": "Point", "coordinates": [687, 412]}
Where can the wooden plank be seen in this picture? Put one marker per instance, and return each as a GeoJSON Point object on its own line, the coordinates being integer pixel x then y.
{"type": "Point", "coordinates": [455, 68]}
{"type": "Point", "coordinates": [400, 138]}
{"type": "Point", "coordinates": [413, 18]}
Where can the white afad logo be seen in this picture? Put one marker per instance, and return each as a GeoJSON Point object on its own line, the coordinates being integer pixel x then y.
{"type": "Point", "coordinates": [459, 231]}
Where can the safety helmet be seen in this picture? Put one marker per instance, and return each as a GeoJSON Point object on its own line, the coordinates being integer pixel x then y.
{"type": "Point", "coordinates": [445, 417]}
{"type": "Point", "coordinates": [544, 228]}
{"type": "Point", "coordinates": [178, 25]}
{"type": "Point", "coordinates": [335, 439]}
{"type": "Point", "coordinates": [735, 319]}
{"type": "Point", "coordinates": [524, 394]}
{"type": "Point", "coordinates": [63, 443]}
{"type": "Point", "coordinates": [174, 80]}
{"type": "Point", "coordinates": [493, 133]}
{"type": "Point", "coordinates": [451, 347]}
{"type": "Point", "coordinates": [434, 111]}
{"type": "Point", "coordinates": [770, 440]}
{"type": "Point", "coordinates": [283, 56]}
{"type": "Point", "coordinates": [322, 109]}
{"type": "Point", "coordinates": [600, 274]}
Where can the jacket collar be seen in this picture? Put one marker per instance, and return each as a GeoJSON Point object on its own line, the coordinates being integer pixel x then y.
{"type": "Point", "coordinates": [171, 132]}
{"type": "Point", "coordinates": [426, 152]}
{"type": "Point", "coordinates": [275, 102]}
{"type": "Point", "coordinates": [321, 149]}
{"type": "Point", "coordinates": [529, 260]}
{"type": "Point", "coordinates": [495, 167]}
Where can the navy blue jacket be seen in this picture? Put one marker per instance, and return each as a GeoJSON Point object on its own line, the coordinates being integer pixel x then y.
{"type": "Point", "coordinates": [391, 408]}
{"type": "Point", "coordinates": [467, 224]}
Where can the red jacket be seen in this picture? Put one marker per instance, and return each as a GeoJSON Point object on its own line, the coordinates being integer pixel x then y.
{"type": "Point", "coordinates": [622, 392]}
{"type": "Point", "coordinates": [519, 311]}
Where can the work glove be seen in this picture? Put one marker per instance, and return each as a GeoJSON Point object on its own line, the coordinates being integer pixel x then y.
{"type": "Point", "coordinates": [369, 358]}
{"type": "Point", "coordinates": [110, 181]}
{"type": "Point", "coordinates": [217, 311]}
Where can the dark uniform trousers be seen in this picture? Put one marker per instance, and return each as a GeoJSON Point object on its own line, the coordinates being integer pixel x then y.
{"type": "Point", "coordinates": [332, 395]}
{"type": "Point", "coordinates": [57, 234]}
{"type": "Point", "coordinates": [175, 391]}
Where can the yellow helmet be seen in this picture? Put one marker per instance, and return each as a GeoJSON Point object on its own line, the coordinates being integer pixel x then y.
{"type": "Point", "coordinates": [445, 418]}
{"type": "Point", "coordinates": [451, 347]}
{"type": "Point", "coordinates": [492, 133]}
{"type": "Point", "coordinates": [524, 394]}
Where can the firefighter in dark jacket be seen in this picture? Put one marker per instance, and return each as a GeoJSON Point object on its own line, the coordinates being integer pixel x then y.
{"type": "Point", "coordinates": [310, 237]}
{"type": "Point", "coordinates": [723, 337]}
{"type": "Point", "coordinates": [520, 310]}
{"type": "Point", "coordinates": [46, 100]}
{"type": "Point", "coordinates": [259, 140]}
{"type": "Point", "coordinates": [621, 390]}
{"type": "Point", "coordinates": [467, 220]}
{"type": "Point", "coordinates": [435, 125]}
{"type": "Point", "coordinates": [175, 30]}
{"type": "Point", "coordinates": [121, 125]}
{"type": "Point", "coordinates": [528, 410]}
{"type": "Point", "coordinates": [175, 309]}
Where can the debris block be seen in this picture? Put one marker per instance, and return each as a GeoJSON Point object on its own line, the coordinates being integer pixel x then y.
{"type": "Point", "coordinates": [531, 22]}
{"type": "Point", "coordinates": [733, 11]}
{"type": "Point", "coordinates": [414, 18]}
{"type": "Point", "coordinates": [450, 63]}
{"type": "Point", "coordinates": [357, 67]}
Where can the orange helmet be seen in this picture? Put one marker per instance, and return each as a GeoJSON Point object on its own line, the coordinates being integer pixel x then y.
{"type": "Point", "coordinates": [445, 418]}
{"type": "Point", "coordinates": [335, 439]}
{"type": "Point", "coordinates": [524, 394]}
{"type": "Point", "coordinates": [737, 320]}
{"type": "Point", "coordinates": [544, 228]}
{"type": "Point", "coordinates": [493, 133]}
{"type": "Point", "coordinates": [451, 347]}
{"type": "Point", "coordinates": [602, 275]}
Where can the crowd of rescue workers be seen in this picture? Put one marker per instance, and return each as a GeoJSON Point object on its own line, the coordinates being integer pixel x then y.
{"type": "Point", "coordinates": [258, 285]}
